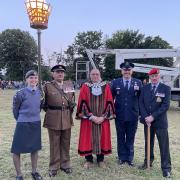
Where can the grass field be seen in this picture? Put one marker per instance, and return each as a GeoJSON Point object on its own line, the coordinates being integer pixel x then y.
{"type": "Point", "coordinates": [112, 171]}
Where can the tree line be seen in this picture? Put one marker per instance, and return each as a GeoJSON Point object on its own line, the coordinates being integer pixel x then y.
{"type": "Point", "coordinates": [18, 52]}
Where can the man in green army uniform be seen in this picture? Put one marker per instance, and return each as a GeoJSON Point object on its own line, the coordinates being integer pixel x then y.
{"type": "Point", "coordinates": [59, 103]}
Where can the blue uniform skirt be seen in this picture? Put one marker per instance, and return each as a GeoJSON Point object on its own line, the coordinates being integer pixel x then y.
{"type": "Point", "coordinates": [27, 137]}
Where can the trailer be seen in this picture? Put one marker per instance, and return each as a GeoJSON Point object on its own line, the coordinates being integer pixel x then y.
{"type": "Point", "coordinates": [169, 75]}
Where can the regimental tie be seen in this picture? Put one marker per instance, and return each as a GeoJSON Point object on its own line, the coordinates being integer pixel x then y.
{"type": "Point", "coordinates": [153, 90]}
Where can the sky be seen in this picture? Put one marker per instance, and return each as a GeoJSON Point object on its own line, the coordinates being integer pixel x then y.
{"type": "Point", "coordinates": [68, 17]}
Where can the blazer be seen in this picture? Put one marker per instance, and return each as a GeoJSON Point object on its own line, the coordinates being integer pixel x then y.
{"type": "Point", "coordinates": [155, 104]}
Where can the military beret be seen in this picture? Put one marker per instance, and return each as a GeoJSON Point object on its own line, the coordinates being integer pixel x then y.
{"type": "Point", "coordinates": [58, 67]}
{"type": "Point", "coordinates": [31, 73]}
{"type": "Point", "coordinates": [126, 65]}
{"type": "Point", "coordinates": [153, 71]}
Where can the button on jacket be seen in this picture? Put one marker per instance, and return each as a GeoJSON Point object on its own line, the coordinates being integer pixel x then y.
{"type": "Point", "coordinates": [57, 119]}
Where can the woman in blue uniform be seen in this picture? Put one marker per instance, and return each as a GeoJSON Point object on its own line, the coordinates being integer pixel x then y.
{"type": "Point", "coordinates": [27, 135]}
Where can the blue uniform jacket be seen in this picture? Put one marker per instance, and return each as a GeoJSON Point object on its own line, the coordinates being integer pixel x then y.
{"type": "Point", "coordinates": [155, 105]}
{"type": "Point", "coordinates": [126, 102]}
{"type": "Point", "coordinates": [26, 105]}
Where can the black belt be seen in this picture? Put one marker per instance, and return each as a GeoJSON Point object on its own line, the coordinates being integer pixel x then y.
{"type": "Point", "coordinates": [58, 107]}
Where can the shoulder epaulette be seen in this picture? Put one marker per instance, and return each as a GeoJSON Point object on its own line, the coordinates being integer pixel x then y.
{"type": "Point", "coordinates": [20, 90]}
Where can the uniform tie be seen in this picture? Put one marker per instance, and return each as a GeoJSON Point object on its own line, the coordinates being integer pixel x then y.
{"type": "Point", "coordinates": [33, 91]}
{"type": "Point", "coordinates": [153, 90]}
{"type": "Point", "coordinates": [127, 85]}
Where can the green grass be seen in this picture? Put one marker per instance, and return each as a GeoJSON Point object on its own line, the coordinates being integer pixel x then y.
{"type": "Point", "coordinates": [113, 171]}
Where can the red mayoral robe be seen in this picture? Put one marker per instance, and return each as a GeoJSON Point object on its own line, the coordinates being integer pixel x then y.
{"type": "Point", "coordinates": [94, 138]}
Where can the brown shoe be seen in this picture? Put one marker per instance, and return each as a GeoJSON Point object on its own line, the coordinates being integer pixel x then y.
{"type": "Point", "coordinates": [88, 165]}
{"type": "Point", "coordinates": [102, 164]}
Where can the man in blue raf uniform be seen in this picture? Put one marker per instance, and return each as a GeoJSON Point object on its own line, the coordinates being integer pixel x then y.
{"type": "Point", "coordinates": [126, 91]}
{"type": "Point", "coordinates": [154, 103]}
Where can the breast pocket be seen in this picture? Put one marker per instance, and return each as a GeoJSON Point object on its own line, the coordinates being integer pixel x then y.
{"type": "Point", "coordinates": [53, 94]}
{"type": "Point", "coordinates": [53, 97]}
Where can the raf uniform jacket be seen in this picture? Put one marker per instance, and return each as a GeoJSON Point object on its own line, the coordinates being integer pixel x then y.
{"type": "Point", "coordinates": [126, 102]}
{"type": "Point", "coordinates": [58, 114]}
{"type": "Point", "coordinates": [155, 104]}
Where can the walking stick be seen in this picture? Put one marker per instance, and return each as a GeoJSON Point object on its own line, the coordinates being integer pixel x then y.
{"type": "Point", "coordinates": [148, 147]}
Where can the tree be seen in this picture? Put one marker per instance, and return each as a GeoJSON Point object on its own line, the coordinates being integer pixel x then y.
{"type": "Point", "coordinates": [87, 40]}
{"type": "Point", "coordinates": [129, 39]}
{"type": "Point", "coordinates": [18, 53]}
{"type": "Point", "coordinates": [70, 54]}
{"type": "Point", "coordinates": [56, 58]}
{"type": "Point", "coordinates": [46, 74]}
{"type": "Point", "coordinates": [77, 51]}
{"type": "Point", "coordinates": [156, 43]}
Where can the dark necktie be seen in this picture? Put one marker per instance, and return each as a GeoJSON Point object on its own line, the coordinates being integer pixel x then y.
{"type": "Point", "coordinates": [153, 90]}
{"type": "Point", "coordinates": [127, 85]}
{"type": "Point", "coordinates": [33, 91]}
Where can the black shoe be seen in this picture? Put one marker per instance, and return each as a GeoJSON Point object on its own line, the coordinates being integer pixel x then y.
{"type": "Point", "coordinates": [67, 170]}
{"type": "Point", "coordinates": [144, 166]}
{"type": "Point", "coordinates": [130, 163]}
{"type": "Point", "coordinates": [166, 174]}
{"type": "Point", "coordinates": [121, 162]}
{"type": "Point", "coordinates": [52, 173]}
{"type": "Point", "coordinates": [36, 176]}
{"type": "Point", "coordinates": [19, 178]}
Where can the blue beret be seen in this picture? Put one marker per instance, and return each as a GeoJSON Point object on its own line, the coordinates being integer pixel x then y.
{"type": "Point", "coordinates": [31, 73]}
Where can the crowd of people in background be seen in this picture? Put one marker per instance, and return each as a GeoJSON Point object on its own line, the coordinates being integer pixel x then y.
{"type": "Point", "coordinates": [11, 84]}
{"type": "Point", "coordinates": [5, 84]}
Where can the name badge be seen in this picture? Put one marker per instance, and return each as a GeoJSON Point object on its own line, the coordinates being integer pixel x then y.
{"type": "Point", "coordinates": [118, 90]}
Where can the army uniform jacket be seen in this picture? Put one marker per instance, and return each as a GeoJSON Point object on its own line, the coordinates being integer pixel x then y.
{"type": "Point", "coordinates": [58, 114]}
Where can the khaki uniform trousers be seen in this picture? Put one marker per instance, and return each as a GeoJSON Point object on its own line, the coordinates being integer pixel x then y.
{"type": "Point", "coordinates": [59, 148]}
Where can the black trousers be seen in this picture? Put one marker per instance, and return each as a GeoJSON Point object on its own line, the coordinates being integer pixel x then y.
{"type": "Point", "coordinates": [100, 158]}
{"type": "Point", "coordinates": [163, 140]}
{"type": "Point", "coordinates": [126, 131]}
